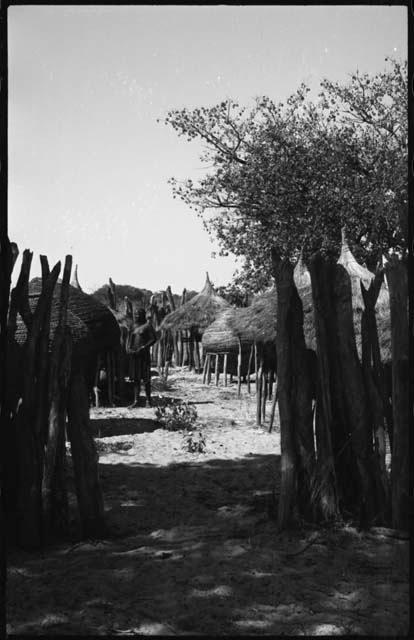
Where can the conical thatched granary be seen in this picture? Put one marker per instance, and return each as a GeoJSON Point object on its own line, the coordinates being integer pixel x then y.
{"type": "Point", "coordinates": [219, 335]}
{"type": "Point", "coordinates": [358, 275]}
{"type": "Point", "coordinates": [198, 313]}
{"type": "Point", "coordinates": [256, 323]}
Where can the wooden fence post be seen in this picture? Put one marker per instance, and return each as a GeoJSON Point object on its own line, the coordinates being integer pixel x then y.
{"type": "Point", "coordinates": [225, 369]}
{"type": "Point", "coordinates": [85, 459]}
{"type": "Point", "coordinates": [397, 278]}
{"type": "Point", "coordinates": [54, 496]}
{"type": "Point", "coordinates": [217, 369]}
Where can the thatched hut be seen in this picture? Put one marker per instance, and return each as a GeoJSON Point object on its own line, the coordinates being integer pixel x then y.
{"type": "Point", "coordinates": [219, 336]}
{"type": "Point", "coordinates": [93, 326]}
{"type": "Point", "coordinates": [198, 313]}
{"type": "Point", "coordinates": [192, 319]}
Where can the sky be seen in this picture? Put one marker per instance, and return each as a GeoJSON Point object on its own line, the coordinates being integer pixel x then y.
{"type": "Point", "coordinates": [89, 163]}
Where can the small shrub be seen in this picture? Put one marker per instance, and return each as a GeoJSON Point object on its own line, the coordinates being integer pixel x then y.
{"type": "Point", "coordinates": [162, 383]}
{"type": "Point", "coordinates": [195, 443]}
{"type": "Point", "coordinates": [180, 416]}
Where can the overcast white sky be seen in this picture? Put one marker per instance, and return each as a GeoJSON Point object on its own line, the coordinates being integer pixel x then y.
{"type": "Point", "coordinates": [88, 162]}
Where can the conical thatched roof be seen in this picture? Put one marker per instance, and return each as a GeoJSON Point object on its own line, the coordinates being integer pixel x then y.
{"type": "Point", "coordinates": [257, 322]}
{"type": "Point", "coordinates": [357, 275]}
{"type": "Point", "coordinates": [198, 313]}
{"type": "Point", "coordinates": [93, 326]}
{"type": "Point", "coordinates": [219, 336]}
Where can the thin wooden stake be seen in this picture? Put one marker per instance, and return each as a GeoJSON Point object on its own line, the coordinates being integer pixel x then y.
{"type": "Point", "coordinates": [239, 359]}
{"type": "Point", "coordinates": [249, 366]}
{"type": "Point", "coordinates": [208, 368]}
{"type": "Point", "coordinates": [273, 410]}
{"type": "Point", "coordinates": [225, 369]}
{"type": "Point", "coordinates": [217, 369]}
{"type": "Point", "coordinates": [259, 394]}
{"type": "Point", "coordinates": [264, 394]}
{"type": "Point", "coordinates": [205, 370]}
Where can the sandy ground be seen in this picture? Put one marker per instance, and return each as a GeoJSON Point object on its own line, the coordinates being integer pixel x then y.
{"type": "Point", "coordinates": [192, 548]}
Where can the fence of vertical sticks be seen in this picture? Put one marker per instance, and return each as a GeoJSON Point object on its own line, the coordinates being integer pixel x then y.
{"type": "Point", "coordinates": [342, 347]}
{"type": "Point", "coordinates": [50, 360]}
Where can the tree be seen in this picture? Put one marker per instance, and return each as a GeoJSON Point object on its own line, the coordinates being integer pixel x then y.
{"type": "Point", "coordinates": [287, 177]}
{"type": "Point", "coordinates": [283, 172]}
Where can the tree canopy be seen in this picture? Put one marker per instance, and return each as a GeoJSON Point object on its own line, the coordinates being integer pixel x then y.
{"type": "Point", "coordinates": [289, 175]}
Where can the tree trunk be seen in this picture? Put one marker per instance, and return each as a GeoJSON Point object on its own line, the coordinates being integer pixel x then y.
{"type": "Point", "coordinates": [396, 273]}
{"type": "Point", "coordinates": [85, 459]}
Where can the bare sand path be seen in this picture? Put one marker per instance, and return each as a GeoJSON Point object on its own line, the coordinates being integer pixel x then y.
{"type": "Point", "coordinates": [191, 548]}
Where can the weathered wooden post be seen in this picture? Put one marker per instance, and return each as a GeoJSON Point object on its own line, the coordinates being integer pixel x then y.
{"type": "Point", "coordinates": [217, 369]}
{"type": "Point", "coordinates": [225, 369]}
{"type": "Point", "coordinates": [322, 309]}
{"type": "Point", "coordinates": [273, 410]}
{"type": "Point", "coordinates": [54, 494]}
{"type": "Point", "coordinates": [208, 368]}
{"type": "Point", "coordinates": [85, 458]}
{"type": "Point", "coordinates": [373, 378]}
{"type": "Point", "coordinates": [259, 392]}
{"type": "Point", "coordinates": [249, 368]}
{"type": "Point", "coordinates": [396, 274]}
{"type": "Point", "coordinates": [264, 395]}
{"type": "Point", "coordinates": [239, 365]}
{"type": "Point", "coordinates": [205, 370]}
{"type": "Point", "coordinates": [30, 443]}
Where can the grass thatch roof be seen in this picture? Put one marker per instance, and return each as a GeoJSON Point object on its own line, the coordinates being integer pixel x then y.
{"type": "Point", "coordinates": [357, 275]}
{"type": "Point", "coordinates": [219, 336]}
{"type": "Point", "coordinates": [94, 327]}
{"type": "Point", "coordinates": [198, 313]}
{"type": "Point", "coordinates": [258, 322]}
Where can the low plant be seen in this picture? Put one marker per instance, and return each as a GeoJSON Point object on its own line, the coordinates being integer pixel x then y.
{"type": "Point", "coordinates": [195, 443]}
{"type": "Point", "coordinates": [176, 417]}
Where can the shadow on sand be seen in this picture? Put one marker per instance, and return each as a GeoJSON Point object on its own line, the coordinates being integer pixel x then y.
{"type": "Point", "coordinates": [191, 549]}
